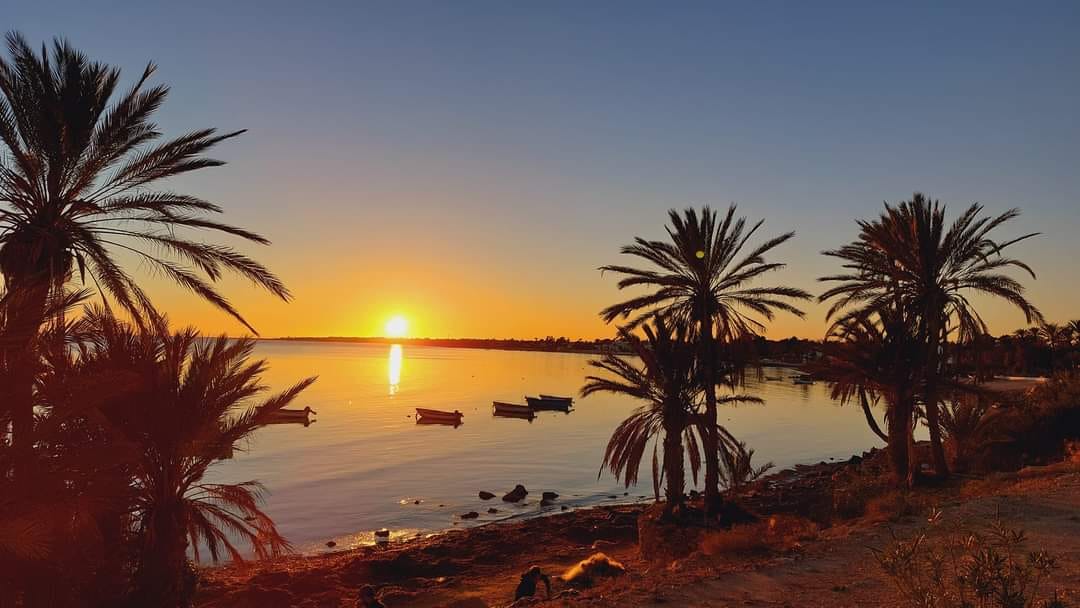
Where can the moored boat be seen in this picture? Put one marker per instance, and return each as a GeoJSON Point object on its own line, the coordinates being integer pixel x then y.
{"type": "Point", "coordinates": [502, 408]}
{"type": "Point", "coordinates": [547, 403]}
{"type": "Point", "coordinates": [431, 415]}
{"type": "Point", "coordinates": [556, 398]}
{"type": "Point", "coordinates": [803, 379]}
{"type": "Point", "coordinates": [287, 416]}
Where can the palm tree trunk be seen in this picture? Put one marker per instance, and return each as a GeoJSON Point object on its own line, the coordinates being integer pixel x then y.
{"type": "Point", "coordinates": [899, 440]}
{"type": "Point", "coordinates": [673, 463]}
{"type": "Point", "coordinates": [26, 314]}
{"type": "Point", "coordinates": [159, 577]}
{"type": "Point", "coordinates": [710, 440]}
{"type": "Point", "coordinates": [931, 396]}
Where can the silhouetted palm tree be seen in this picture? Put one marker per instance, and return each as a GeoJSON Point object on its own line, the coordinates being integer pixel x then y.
{"type": "Point", "coordinates": [1056, 337]}
{"type": "Point", "coordinates": [1074, 328]}
{"type": "Point", "coordinates": [909, 260]}
{"type": "Point", "coordinates": [872, 361]}
{"type": "Point", "coordinates": [48, 538]}
{"type": "Point", "coordinates": [701, 277]}
{"type": "Point", "coordinates": [77, 187]}
{"type": "Point", "coordinates": [667, 381]}
{"type": "Point", "coordinates": [738, 468]}
{"type": "Point", "coordinates": [190, 402]}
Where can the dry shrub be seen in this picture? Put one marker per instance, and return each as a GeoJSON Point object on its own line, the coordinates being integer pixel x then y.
{"type": "Point", "coordinates": [948, 565]}
{"type": "Point", "coordinates": [778, 533]}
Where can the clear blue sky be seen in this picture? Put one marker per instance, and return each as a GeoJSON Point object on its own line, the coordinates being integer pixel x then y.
{"type": "Point", "coordinates": [446, 159]}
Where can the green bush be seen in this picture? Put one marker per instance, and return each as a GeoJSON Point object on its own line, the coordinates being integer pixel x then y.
{"type": "Point", "coordinates": [958, 567]}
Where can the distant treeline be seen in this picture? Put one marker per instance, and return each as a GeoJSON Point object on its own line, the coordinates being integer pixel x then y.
{"type": "Point", "coordinates": [791, 350]}
{"type": "Point", "coordinates": [1025, 352]}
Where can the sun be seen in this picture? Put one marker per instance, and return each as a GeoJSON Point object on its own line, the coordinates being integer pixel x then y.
{"type": "Point", "coordinates": [396, 327]}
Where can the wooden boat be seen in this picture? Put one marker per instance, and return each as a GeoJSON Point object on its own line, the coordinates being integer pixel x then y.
{"type": "Point", "coordinates": [547, 403]}
{"type": "Point", "coordinates": [501, 408]}
{"type": "Point", "coordinates": [454, 422]}
{"type": "Point", "coordinates": [438, 415]}
{"type": "Point", "coordinates": [556, 398]}
{"type": "Point", "coordinates": [287, 416]}
{"type": "Point", "coordinates": [803, 379]}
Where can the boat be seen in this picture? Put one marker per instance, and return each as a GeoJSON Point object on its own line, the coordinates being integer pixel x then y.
{"type": "Point", "coordinates": [438, 416]}
{"type": "Point", "coordinates": [774, 378]}
{"type": "Point", "coordinates": [556, 398]}
{"type": "Point", "coordinates": [803, 379]}
{"type": "Point", "coordinates": [547, 403]}
{"type": "Point", "coordinates": [287, 416]}
{"type": "Point", "coordinates": [454, 422]}
{"type": "Point", "coordinates": [501, 408]}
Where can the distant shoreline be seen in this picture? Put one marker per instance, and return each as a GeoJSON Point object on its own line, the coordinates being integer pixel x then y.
{"type": "Point", "coordinates": [561, 345]}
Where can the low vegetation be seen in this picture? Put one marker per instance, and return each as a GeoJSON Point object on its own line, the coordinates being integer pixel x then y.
{"type": "Point", "coordinates": [957, 565]}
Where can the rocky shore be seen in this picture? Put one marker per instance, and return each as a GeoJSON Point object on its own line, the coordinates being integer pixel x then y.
{"type": "Point", "coordinates": [810, 534]}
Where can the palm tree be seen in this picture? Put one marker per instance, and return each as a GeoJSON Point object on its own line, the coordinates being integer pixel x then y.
{"type": "Point", "coordinates": [1074, 329]}
{"type": "Point", "coordinates": [871, 360]}
{"type": "Point", "coordinates": [667, 381]}
{"type": "Point", "coordinates": [738, 468]}
{"type": "Point", "coordinates": [908, 260]}
{"type": "Point", "coordinates": [700, 277]}
{"type": "Point", "coordinates": [188, 404]}
{"type": "Point", "coordinates": [77, 187]}
{"type": "Point", "coordinates": [1056, 338]}
{"type": "Point", "coordinates": [48, 536]}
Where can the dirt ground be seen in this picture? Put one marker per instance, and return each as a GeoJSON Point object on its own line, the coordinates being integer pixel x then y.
{"type": "Point", "coordinates": [479, 568]}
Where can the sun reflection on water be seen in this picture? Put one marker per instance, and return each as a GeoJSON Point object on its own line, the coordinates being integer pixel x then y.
{"type": "Point", "coordinates": [394, 368]}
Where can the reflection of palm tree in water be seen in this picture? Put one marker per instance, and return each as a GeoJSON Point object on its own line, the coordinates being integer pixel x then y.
{"type": "Point", "coordinates": [394, 368]}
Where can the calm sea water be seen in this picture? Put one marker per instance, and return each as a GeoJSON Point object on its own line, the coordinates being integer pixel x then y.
{"type": "Point", "coordinates": [365, 463]}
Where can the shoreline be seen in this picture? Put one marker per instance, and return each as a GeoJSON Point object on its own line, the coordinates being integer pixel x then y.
{"type": "Point", "coordinates": [828, 566]}
{"type": "Point", "coordinates": [577, 347]}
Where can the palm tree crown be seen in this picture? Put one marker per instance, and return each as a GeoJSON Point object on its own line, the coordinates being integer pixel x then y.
{"type": "Point", "coordinates": [76, 184]}
{"type": "Point", "coordinates": [702, 272]}
{"type": "Point", "coordinates": [908, 259]}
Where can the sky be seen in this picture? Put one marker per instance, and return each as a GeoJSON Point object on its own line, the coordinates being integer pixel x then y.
{"type": "Point", "coordinates": [470, 165]}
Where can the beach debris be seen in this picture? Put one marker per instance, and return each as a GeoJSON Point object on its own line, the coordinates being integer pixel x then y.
{"type": "Point", "coordinates": [563, 508]}
{"type": "Point", "coordinates": [470, 515]}
{"type": "Point", "coordinates": [368, 599]}
{"type": "Point", "coordinates": [550, 495]}
{"type": "Point", "coordinates": [516, 495]}
{"type": "Point", "coordinates": [331, 544]}
{"type": "Point", "coordinates": [527, 586]}
{"type": "Point", "coordinates": [382, 533]}
{"type": "Point", "coordinates": [585, 572]}
{"type": "Point", "coordinates": [484, 495]}
{"type": "Point", "coordinates": [493, 510]}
